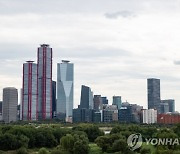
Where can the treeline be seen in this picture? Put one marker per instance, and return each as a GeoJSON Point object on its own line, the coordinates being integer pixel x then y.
{"type": "Point", "coordinates": [75, 140]}
{"type": "Point", "coordinates": [116, 141]}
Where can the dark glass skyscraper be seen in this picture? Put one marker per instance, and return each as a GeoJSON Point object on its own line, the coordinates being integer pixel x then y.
{"type": "Point", "coordinates": [104, 100]}
{"type": "Point", "coordinates": [86, 98]}
{"type": "Point", "coordinates": [53, 98]}
{"type": "Point", "coordinates": [154, 99]}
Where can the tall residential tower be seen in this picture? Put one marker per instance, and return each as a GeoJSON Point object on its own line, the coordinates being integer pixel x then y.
{"type": "Point", "coordinates": [30, 91]}
{"type": "Point", "coordinates": [44, 82]}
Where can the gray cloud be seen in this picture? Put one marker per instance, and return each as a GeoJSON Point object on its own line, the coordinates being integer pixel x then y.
{"type": "Point", "coordinates": [90, 52]}
{"type": "Point", "coordinates": [124, 14]}
{"type": "Point", "coordinates": [176, 62]}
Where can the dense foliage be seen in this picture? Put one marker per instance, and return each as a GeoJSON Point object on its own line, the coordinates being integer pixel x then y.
{"type": "Point", "coordinates": [80, 138]}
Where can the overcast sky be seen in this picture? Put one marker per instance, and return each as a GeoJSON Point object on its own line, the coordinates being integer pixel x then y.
{"type": "Point", "coordinates": [115, 45]}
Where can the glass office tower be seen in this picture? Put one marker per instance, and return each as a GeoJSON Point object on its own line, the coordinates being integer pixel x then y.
{"type": "Point", "coordinates": [154, 99]}
{"type": "Point", "coordinates": [65, 89]}
{"type": "Point", "coordinates": [86, 98]}
{"type": "Point", "coordinates": [117, 101]}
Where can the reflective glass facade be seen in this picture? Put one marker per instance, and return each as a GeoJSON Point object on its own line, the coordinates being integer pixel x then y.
{"type": "Point", "coordinates": [86, 98]}
{"type": "Point", "coordinates": [65, 89]}
{"type": "Point", "coordinates": [154, 99]}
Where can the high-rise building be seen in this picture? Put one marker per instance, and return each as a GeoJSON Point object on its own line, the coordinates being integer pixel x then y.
{"type": "Point", "coordinates": [130, 113]}
{"type": "Point", "coordinates": [0, 110]}
{"type": "Point", "coordinates": [171, 104]}
{"type": "Point", "coordinates": [0, 107]}
{"type": "Point", "coordinates": [10, 102]}
{"type": "Point", "coordinates": [154, 99]}
{"type": "Point", "coordinates": [109, 113]}
{"type": "Point", "coordinates": [30, 92]}
{"type": "Point", "coordinates": [65, 89]}
{"type": "Point", "coordinates": [53, 98]}
{"type": "Point", "coordinates": [44, 82]}
{"type": "Point", "coordinates": [104, 100]}
{"type": "Point", "coordinates": [164, 107]}
{"type": "Point", "coordinates": [97, 102]}
{"type": "Point", "coordinates": [117, 101]}
{"type": "Point", "coordinates": [86, 98]}
{"type": "Point", "coordinates": [83, 115]}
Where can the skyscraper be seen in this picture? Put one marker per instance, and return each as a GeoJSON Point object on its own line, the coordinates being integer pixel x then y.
{"type": "Point", "coordinates": [117, 101]}
{"type": "Point", "coordinates": [53, 98]}
{"type": "Point", "coordinates": [30, 91]}
{"type": "Point", "coordinates": [44, 82]}
{"type": "Point", "coordinates": [154, 99]}
{"type": "Point", "coordinates": [98, 102]}
{"type": "Point", "coordinates": [86, 98]}
{"type": "Point", "coordinates": [65, 89]}
{"type": "Point", "coordinates": [10, 102]}
{"type": "Point", "coordinates": [0, 107]}
{"type": "Point", "coordinates": [104, 100]}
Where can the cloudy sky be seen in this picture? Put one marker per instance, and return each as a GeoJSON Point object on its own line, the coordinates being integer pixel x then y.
{"type": "Point", "coordinates": [115, 44]}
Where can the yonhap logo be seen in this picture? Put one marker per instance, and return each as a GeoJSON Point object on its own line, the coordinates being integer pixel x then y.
{"type": "Point", "coordinates": [134, 141]}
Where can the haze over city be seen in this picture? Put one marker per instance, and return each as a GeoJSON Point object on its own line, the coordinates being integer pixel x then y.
{"type": "Point", "coordinates": [114, 45]}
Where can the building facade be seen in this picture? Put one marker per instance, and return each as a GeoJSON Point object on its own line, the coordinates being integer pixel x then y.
{"type": "Point", "coordinates": [65, 89]}
{"type": "Point", "coordinates": [0, 110]}
{"type": "Point", "coordinates": [171, 104]}
{"type": "Point", "coordinates": [53, 99]}
{"type": "Point", "coordinates": [10, 102]}
{"type": "Point", "coordinates": [44, 82]}
{"type": "Point", "coordinates": [154, 99]}
{"type": "Point", "coordinates": [117, 101]}
{"type": "Point", "coordinates": [168, 118]}
{"type": "Point", "coordinates": [109, 113]}
{"type": "Point", "coordinates": [97, 102]}
{"type": "Point", "coordinates": [83, 115]}
{"type": "Point", "coordinates": [149, 116]}
{"type": "Point", "coordinates": [0, 107]}
{"type": "Point", "coordinates": [104, 100]}
{"type": "Point", "coordinates": [86, 98]}
{"type": "Point", "coordinates": [30, 92]}
{"type": "Point", "coordinates": [164, 107]}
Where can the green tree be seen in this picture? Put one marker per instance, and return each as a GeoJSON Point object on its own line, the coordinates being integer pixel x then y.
{"type": "Point", "coordinates": [43, 151]}
{"type": "Point", "coordinates": [22, 150]}
{"type": "Point", "coordinates": [120, 145]}
{"type": "Point", "coordinates": [67, 142]}
{"type": "Point", "coordinates": [8, 142]}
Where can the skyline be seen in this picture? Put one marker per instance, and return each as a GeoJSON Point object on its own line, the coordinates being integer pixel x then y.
{"type": "Point", "coordinates": [120, 44]}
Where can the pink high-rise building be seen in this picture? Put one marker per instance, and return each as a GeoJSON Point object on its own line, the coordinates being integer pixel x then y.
{"type": "Point", "coordinates": [44, 82]}
{"type": "Point", "coordinates": [30, 91]}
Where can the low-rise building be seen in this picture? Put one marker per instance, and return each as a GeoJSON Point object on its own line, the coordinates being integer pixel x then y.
{"type": "Point", "coordinates": [149, 116]}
